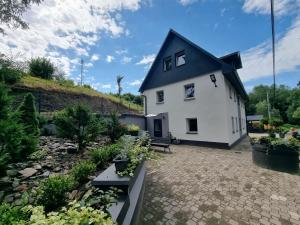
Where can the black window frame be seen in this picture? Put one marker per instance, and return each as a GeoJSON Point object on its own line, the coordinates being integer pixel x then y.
{"type": "Point", "coordinates": [168, 58]}
{"type": "Point", "coordinates": [157, 97]}
{"type": "Point", "coordinates": [185, 87]}
{"type": "Point", "coordinates": [189, 131]}
{"type": "Point", "coordinates": [178, 54]}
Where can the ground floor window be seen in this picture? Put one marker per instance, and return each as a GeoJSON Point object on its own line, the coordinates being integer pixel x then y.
{"type": "Point", "coordinates": [192, 126]}
{"type": "Point", "coordinates": [232, 124]}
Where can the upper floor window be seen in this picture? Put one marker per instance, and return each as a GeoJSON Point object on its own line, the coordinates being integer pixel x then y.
{"type": "Point", "coordinates": [160, 96]}
{"type": "Point", "coordinates": [167, 63]}
{"type": "Point", "coordinates": [189, 91]}
{"type": "Point", "coordinates": [180, 58]}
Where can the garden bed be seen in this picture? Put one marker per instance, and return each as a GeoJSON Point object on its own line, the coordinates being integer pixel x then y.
{"type": "Point", "coordinates": [284, 162]}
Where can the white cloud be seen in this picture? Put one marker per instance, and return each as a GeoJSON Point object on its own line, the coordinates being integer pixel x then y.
{"type": "Point", "coordinates": [257, 61]}
{"type": "Point", "coordinates": [95, 57]}
{"type": "Point", "coordinates": [135, 83]}
{"type": "Point", "coordinates": [89, 64]}
{"type": "Point", "coordinates": [281, 7]}
{"type": "Point", "coordinates": [187, 2]}
{"type": "Point", "coordinates": [58, 28]}
{"type": "Point", "coordinates": [121, 51]}
{"type": "Point", "coordinates": [106, 86]}
{"type": "Point", "coordinates": [126, 60]}
{"type": "Point", "coordinates": [109, 58]}
{"type": "Point", "coordinates": [146, 60]}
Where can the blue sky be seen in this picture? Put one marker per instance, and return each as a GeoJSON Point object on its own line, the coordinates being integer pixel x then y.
{"type": "Point", "coordinates": [122, 37]}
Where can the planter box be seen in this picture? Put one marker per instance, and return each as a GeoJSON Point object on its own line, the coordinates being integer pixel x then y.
{"type": "Point", "coordinates": [120, 164]}
{"type": "Point", "coordinates": [280, 162]}
{"type": "Point", "coordinates": [127, 209]}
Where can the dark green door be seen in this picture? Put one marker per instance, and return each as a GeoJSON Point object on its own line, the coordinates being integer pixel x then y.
{"type": "Point", "coordinates": [157, 128]}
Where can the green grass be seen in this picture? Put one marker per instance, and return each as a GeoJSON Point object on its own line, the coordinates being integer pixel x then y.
{"type": "Point", "coordinates": [51, 85]}
{"type": "Point", "coordinates": [289, 126]}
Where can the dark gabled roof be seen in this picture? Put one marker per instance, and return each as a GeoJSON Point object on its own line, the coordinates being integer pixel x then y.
{"type": "Point", "coordinates": [233, 59]}
{"type": "Point", "coordinates": [227, 64]}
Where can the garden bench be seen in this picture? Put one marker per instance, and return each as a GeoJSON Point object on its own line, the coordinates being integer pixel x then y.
{"type": "Point", "coordinates": [162, 145]}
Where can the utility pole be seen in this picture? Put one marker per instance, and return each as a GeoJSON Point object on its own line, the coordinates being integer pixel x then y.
{"type": "Point", "coordinates": [81, 73]}
{"type": "Point", "coordinates": [269, 114]}
{"type": "Point", "coordinates": [273, 49]}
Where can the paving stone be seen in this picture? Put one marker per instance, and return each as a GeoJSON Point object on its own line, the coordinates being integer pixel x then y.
{"type": "Point", "coordinates": [199, 185]}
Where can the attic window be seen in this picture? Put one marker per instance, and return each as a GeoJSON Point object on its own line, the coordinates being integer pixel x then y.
{"type": "Point", "coordinates": [168, 63]}
{"type": "Point", "coordinates": [180, 58]}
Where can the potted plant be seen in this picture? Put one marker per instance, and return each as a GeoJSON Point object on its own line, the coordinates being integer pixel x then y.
{"type": "Point", "coordinates": [122, 159]}
{"type": "Point", "coordinates": [133, 129]}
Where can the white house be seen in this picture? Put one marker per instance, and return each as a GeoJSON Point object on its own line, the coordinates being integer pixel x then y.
{"type": "Point", "coordinates": [194, 96]}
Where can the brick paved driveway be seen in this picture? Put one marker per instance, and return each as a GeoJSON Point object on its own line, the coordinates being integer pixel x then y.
{"type": "Point", "coordinates": [197, 185]}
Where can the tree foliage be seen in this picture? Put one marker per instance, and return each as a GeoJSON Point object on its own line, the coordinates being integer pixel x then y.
{"type": "Point", "coordinates": [113, 127]}
{"type": "Point", "coordinates": [41, 67]}
{"type": "Point", "coordinates": [79, 124]}
{"type": "Point", "coordinates": [11, 13]}
{"type": "Point", "coordinates": [286, 102]}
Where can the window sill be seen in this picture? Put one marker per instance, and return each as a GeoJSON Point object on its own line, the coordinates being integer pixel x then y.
{"type": "Point", "coordinates": [158, 103]}
{"type": "Point", "coordinates": [188, 99]}
{"type": "Point", "coordinates": [192, 132]}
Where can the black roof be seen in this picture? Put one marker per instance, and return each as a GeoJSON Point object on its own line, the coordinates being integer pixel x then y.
{"type": "Point", "coordinates": [173, 43]}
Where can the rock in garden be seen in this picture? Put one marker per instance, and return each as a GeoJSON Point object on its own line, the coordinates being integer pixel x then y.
{"type": "Point", "coordinates": [57, 169]}
{"type": "Point", "coordinates": [28, 172]}
{"type": "Point", "coordinates": [71, 150]}
{"type": "Point", "coordinates": [37, 167]}
{"type": "Point", "coordinates": [46, 174]}
{"type": "Point", "coordinates": [11, 173]}
{"type": "Point", "coordinates": [9, 198]}
{"type": "Point", "coordinates": [73, 194]}
{"type": "Point", "coordinates": [22, 187]}
{"type": "Point", "coordinates": [16, 183]}
{"type": "Point", "coordinates": [5, 182]}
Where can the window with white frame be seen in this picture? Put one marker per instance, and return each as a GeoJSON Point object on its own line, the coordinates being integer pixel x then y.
{"type": "Point", "coordinates": [160, 96]}
{"type": "Point", "coordinates": [180, 58]}
{"type": "Point", "coordinates": [192, 126]}
{"type": "Point", "coordinates": [189, 91]}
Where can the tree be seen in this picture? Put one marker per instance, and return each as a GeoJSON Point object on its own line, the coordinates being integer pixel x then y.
{"type": "Point", "coordinates": [28, 115]}
{"type": "Point", "coordinates": [78, 124]}
{"type": "Point", "coordinates": [41, 67]}
{"type": "Point", "coordinates": [262, 108]}
{"type": "Point", "coordinates": [119, 79]}
{"type": "Point", "coordinates": [296, 115]}
{"type": "Point", "coordinates": [11, 13]}
{"type": "Point", "coordinates": [15, 143]}
{"type": "Point", "coordinates": [113, 128]}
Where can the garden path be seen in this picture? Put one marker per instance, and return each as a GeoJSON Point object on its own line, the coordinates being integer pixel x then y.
{"type": "Point", "coordinates": [200, 185]}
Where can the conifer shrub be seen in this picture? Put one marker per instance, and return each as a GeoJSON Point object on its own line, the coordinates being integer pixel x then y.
{"type": "Point", "coordinates": [82, 170]}
{"type": "Point", "coordinates": [78, 124]}
{"type": "Point", "coordinates": [53, 191]}
{"type": "Point", "coordinates": [28, 115]}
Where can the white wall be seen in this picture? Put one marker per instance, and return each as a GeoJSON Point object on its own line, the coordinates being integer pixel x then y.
{"type": "Point", "coordinates": [232, 111]}
{"type": "Point", "coordinates": [209, 107]}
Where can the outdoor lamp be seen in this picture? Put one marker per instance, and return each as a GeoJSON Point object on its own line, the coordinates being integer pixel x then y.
{"type": "Point", "coordinates": [213, 79]}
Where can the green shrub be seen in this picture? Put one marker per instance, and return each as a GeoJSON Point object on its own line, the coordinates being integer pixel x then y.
{"type": "Point", "coordinates": [12, 215]}
{"type": "Point", "coordinates": [11, 75]}
{"type": "Point", "coordinates": [41, 67]}
{"type": "Point", "coordinates": [66, 83]}
{"type": "Point", "coordinates": [82, 170]}
{"type": "Point", "coordinates": [280, 146]}
{"type": "Point", "coordinates": [113, 128]}
{"type": "Point", "coordinates": [74, 215]}
{"type": "Point", "coordinates": [272, 133]}
{"type": "Point", "coordinates": [52, 192]}
{"type": "Point", "coordinates": [78, 124]}
{"type": "Point", "coordinates": [28, 115]}
{"type": "Point", "coordinates": [100, 157]}
{"type": "Point", "coordinates": [275, 121]}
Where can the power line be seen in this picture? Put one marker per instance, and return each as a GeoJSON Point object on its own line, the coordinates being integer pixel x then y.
{"type": "Point", "coordinates": [81, 71]}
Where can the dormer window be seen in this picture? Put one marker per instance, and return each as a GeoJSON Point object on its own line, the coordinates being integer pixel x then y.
{"type": "Point", "coordinates": [167, 63]}
{"type": "Point", "coordinates": [180, 58]}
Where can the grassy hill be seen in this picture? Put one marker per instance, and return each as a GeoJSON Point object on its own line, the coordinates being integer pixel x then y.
{"type": "Point", "coordinates": [64, 87]}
